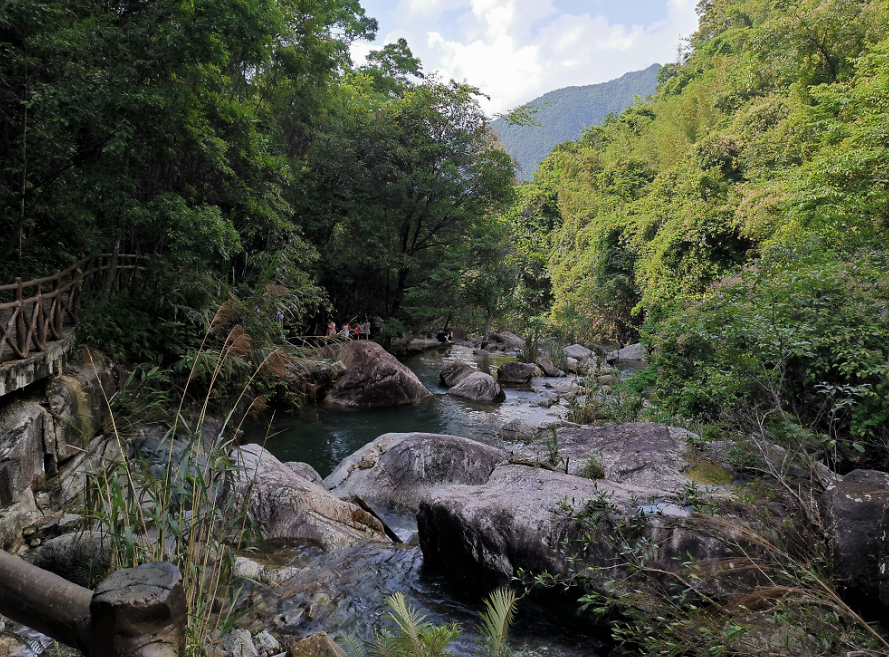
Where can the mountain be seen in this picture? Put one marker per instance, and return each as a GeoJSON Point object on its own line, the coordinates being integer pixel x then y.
{"type": "Point", "coordinates": [565, 113]}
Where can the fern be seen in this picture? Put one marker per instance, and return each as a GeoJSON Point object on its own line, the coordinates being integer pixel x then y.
{"type": "Point", "coordinates": [499, 611]}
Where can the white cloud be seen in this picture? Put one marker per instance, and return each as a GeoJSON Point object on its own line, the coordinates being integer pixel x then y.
{"type": "Point", "coordinates": [516, 50]}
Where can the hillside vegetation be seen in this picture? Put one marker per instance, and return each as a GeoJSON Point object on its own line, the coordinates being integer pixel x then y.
{"type": "Point", "coordinates": [737, 223]}
{"type": "Point", "coordinates": [564, 114]}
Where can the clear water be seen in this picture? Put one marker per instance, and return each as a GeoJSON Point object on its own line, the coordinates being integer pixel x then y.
{"type": "Point", "coordinates": [323, 436]}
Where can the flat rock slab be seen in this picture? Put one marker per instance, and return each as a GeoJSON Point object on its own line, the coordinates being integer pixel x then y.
{"type": "Point", "coordinates": [402, 469]}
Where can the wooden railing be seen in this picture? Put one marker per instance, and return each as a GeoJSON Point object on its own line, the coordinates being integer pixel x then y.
{"type": "Point", "coordinates": [38, 316]}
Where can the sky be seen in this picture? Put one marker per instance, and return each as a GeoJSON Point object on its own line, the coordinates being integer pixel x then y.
{"type": "Point", "coordinates": [517, 50]}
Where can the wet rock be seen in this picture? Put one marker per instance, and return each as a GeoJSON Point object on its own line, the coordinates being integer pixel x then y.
{"type": "Point", "coordinates": [515, 372]}
{"type": "Point", "coordinates": [317, 645]}
{"type": "Point", "coordinates": [402, 469]}
{"type": "Point", "coordinates": [375, 378]}
{"type": "Point", "coordinates": [306, 471]}
{"type": "Point", "coordinates": [479, 387]}
{"type": "Point", "coordinates": [578, 352]}
{"type": "Point", "coordinates": [285, 505]}
{"type": "Point", "coordinates": [453, 373]}
{"type": "Point", "coordinates": [855, 514]}
{"type": "Point", "coordinates": [484, 353]}
{"type": "Point", "coordinates": [631, 352]}
{"type": "Point", "coordinates": [548, 368]}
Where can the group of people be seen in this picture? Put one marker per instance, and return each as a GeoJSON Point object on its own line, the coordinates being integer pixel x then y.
{"type": "Point", "coordinates": [357, 331]}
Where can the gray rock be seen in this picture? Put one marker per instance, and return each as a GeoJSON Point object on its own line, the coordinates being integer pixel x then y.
{"type": "Point", "coordinates": [578, 352]}
{"type": "Point", "coordinates": [453, 373]}
{"type": "Point", "coordinates": [74, 556]}
{"type": "Point", "coordinates": [517, 430]}
{"type": "Point", "coordinates": [402, 469]}
{"type": "Point", "coordinates": [238, 644]}
{"type": "Point", "coordinates": [266, 644]}
{"type": "Point", "coordinates": [479, 387]}
{"type": "Point", "coordinates": [548, 368]}
{"type": "Point", "coordinates": [515, 372]}
{"type": "Point", "coordinates": [567, 387]}
{"type": "Point", "coordinates": [101, 454]}
{"type": "Point", "coordinates": [14, 518]}
{"type": "Point", "coordinates": [285, 505]}
{"type": "Point", "coordinates": [510, 340]}
{"type": "Point", "coordinates": [24, 429]}
{"type": "Point", "coordinates": [856, 512]}
{"type": "Point", "coordinates": [306, 471]}
{"type": "Point", "coordinates": [631, 352]}
{"type": "Point", "coordinates": [375, 378]}
{"type": "Point", "coordinates": [547, 400]}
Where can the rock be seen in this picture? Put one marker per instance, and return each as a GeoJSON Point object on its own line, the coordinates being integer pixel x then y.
{"type": "Point", "coordinates": [245, 568]}
{"type": "Point", "coordinates": [306, 471]}
{"type": "Point", "coordinates": [578, 352]}
{"type": "Point", "coordinates": [317, 645]}
{"type": "Point", "coordinates": [452, 374]}
{"type": "Point", "coordinates": [515, 372]}
{"type": "Point", "coordinates": [631, 352]}
{"type": "Point", "coordinates": [641, 454]}
{"type": "Point", "coordinates": [76, 556]}
{"type": "Point", "coordinates": [548, 368]}
{"type": "Point", "coordinates": [606, 380]}
{"type": "Point", "coordinates": [238, 644]}
{"type": "Point", "coordinates": [573, 365]}
{"type": "Point", "coordinates": [517, 520]}
{"type": "Point", "coordinates": [77, 401]}
{"type": "Point", "coordinates": [266, 644]}
{"type": "Point", "coordinates": [855, 514]}
{"type": "Point", "coordinates": [101, 454]}
{"type": "Point", "coordinates": [510, 340]}
{"type": "Point", "coordinates": [25, 427]}
{"type": "Point", "coordinates": [479, 387]}
{"type": "Point", "coordinates": [375, 378]}
{"type": "Point", "coordinates": [568, 387]}
{"type": "Point", "coordinates": [517, 430]}
{"type": "Point", "coordinates": [14, 519]}
{"type": "Point", "coordinates": [285, 505]}
{"type": "Point", "coordinates": [402, 469]}
{"type": "Point", "coordinates": [547, 400]}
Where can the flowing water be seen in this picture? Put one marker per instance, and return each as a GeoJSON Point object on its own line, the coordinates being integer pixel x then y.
{"type": "Point", "coordinates": [346, 592]}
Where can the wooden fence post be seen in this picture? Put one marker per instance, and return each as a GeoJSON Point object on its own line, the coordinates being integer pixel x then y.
{"type": "Point", "coordinates": [21, 334]}
{"type": "Point", "coordinates": [57, 314]}
{"type": "Point", "coordinates": [40, 320]}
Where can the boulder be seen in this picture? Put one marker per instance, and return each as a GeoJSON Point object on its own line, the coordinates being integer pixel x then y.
{"type": "Point", "coordinates": [453, 373]}
{"type": "Point", "coordinates": [75, 556]}
{"type": "Point", "coordinates": [515, 372]}
{"type": "Point", "coordinates": [374, 378]}
{"type": "Point", "coordinates": [641, 454]}
{"type": "Point", "coordinates": [630, 352]}
{"type": "Point", "coordinates": [578, 352]}
{"type": "Point", "coordinates": [317, 645]}
{"type": "Point", "coordinates": [25, 428]}
{"type": "Point", "coordinates": [306, 471]}
{"type": "Point", "coordinates": [286, 505]}
{"type": "Point", "coordinates": [548, 368]}
{"type": "Point", "coordinates": [546, 400]}
{"type": "Point", "coordinates": [855, 512]}
{"type": "Point", "coordinates": [402, 469]}
{"type": "Point", "coordinates": [510, 340]}
{"type": "Point", "coordinates": [74, 475]}
{"type": "Point", "coordinates": [479, 387]}
{"type": "Point", "coordinates": [14, 518]}
{"type": "Point", "coordinates": [522, 517]}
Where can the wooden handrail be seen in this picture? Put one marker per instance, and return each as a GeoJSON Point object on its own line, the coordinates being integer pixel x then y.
{"type": "Point", "coordinates": [137, 612]}
{"type": "Point", "coordinates": [31, 326]}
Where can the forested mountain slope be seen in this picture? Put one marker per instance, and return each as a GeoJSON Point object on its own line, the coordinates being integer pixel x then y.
{"type": "Point", "coordinates": [565, 113]}
{"type": "Point", "coordinates": [738, 223]}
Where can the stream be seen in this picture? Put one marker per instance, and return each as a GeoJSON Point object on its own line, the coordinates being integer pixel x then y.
{"type": "Point", "coordinates": [346, 592]}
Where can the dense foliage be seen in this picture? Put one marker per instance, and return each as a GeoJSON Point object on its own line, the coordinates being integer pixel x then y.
{"type": "Point", "coordinates": [737, 223]}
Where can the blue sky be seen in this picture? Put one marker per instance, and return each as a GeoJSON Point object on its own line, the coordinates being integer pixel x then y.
{"type": "Point", "coordinates": [516, 50]}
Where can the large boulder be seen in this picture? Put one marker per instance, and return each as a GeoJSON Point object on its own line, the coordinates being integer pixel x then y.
{"type": "Point", "coordinates": [510, 340]}
{"type": "Point", "coordinates": [479, 387]}
{"type": "Point", "coordinates": [25, 427]}
{"type": "Point", "coordinates": [515, 372]}
{"type": "Point", "coordinates": [403, 469]}
{"type": "Point", "coordinates": [856, 514]}
{"type": "Point", "coordinates": [374, 378]}
{"type": "Point", "coordinates": [642, 454]}
{"type": "Point", "coordinates": [453, 373]}
{"type": "Point", "coordinates": [286, 505]}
